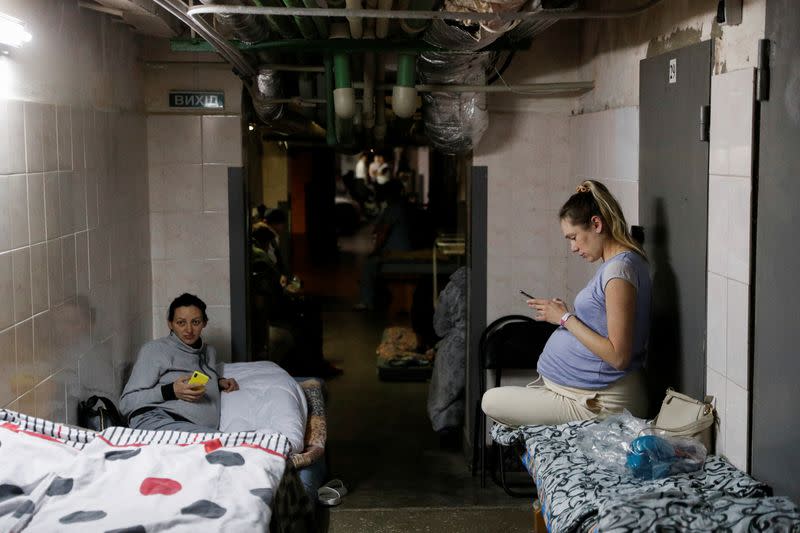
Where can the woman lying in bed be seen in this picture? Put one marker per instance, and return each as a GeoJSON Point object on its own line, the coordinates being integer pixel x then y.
{"type": "Point", "coordinates": [158, 395]}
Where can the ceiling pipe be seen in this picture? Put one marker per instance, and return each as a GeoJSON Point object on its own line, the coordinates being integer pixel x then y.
{"type": "Point", "coordinates": [356, 29]}
{"type": "Point", "coordinates": [553, 14]}
{"type": "Point", "coordinates": [413, 27]}
{"type": "Point", "coordinates": [404, 94]}
{"type": "Point", "coordinates": [344, 96]}
{"type": "Point", "coordinates": [380, 103]}
{"type": "Point", "coordinates": [180, 11]}
{"type": "Point", "coordinates": [321, 23]}
{"type": "Point", "coordinates": [368, 110]}
{"type": "Point", "coordinates": [280, 25]}
{"type": "Point", "coordinates": [307, 27]}
{"type": "Point", "coordinates": [246, 28]}
{"type": "Point", "coordinates": [382, 24]}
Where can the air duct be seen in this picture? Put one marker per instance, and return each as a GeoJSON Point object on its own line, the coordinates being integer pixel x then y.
{"type": "Point", "coordinates": [268, 87]}
{"type": "Point", "coordinates": [454, 122]}
{"type": "Point", "coordinates": [246, 28]}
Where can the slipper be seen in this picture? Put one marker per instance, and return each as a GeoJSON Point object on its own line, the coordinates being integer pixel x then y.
{"type": "Point", "coordinates": [328, 497]}
{"type": "Point", "coordinates": [337, 485]}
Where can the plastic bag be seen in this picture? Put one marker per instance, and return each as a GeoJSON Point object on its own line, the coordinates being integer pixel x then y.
{"type": "Point", "coordinates": [622, 443]}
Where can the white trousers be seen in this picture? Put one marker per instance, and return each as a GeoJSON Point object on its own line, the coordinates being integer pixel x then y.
{"type": "Point", "coordinates": [547, 403]}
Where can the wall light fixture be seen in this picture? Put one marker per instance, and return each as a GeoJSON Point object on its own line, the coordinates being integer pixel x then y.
{"type": "Point", "coordinates": [12, 33]}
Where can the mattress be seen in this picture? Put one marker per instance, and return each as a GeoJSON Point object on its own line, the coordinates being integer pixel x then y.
{"type": "Point", "coordinates": [577, 495]}
{"type": "Point", "coordinates": [57, 478]}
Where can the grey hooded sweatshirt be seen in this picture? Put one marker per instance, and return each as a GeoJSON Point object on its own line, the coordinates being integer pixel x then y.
{"type": "Point", "coordinates": [162, 361]}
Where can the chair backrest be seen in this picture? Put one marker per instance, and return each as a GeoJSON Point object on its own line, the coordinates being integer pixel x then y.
{"type": "Point", "coordinates": [513, 341]}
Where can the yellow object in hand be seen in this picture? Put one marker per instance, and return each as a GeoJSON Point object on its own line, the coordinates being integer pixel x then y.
{"type": "Point", "coordinates": [198, 379]}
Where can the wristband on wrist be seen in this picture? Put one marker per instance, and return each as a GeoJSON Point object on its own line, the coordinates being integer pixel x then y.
{"type": "Point", "coordinates": [566, 316]}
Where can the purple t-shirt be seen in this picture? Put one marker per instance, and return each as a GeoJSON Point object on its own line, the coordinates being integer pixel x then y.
{"type": "Point", "coordinates": [566, 361]}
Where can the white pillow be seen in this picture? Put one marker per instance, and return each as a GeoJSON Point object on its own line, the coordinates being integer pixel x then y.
{"type": "Point", "coordinates": [269, 400]}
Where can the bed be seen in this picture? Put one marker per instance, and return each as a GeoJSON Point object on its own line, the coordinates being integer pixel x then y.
{"type": "Point", "coordinates": [576, 495]}
{"type": "Point", "coordinates": [56, 477]}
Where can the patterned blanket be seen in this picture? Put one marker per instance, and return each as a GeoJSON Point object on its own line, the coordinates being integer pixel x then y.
{"type": "Point", "coordinates": [576, 494]}
{"type": "Point", "coordinates": [57, 478]}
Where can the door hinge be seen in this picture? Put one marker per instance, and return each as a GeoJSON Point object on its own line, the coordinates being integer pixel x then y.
{"type": "Point", "coordinates": [762, 71]}
{"type": "Point", "coordinates": [705, 122]}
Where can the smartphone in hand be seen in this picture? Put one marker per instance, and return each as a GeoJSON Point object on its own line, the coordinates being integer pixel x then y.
{"type": "Point", "coordinates": [526, 294]}
{"type": "Point", "coordinates": [198, 379]}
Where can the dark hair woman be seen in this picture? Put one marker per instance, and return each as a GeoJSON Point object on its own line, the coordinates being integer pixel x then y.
{"type": "Point", "coordinates": [158, 394]}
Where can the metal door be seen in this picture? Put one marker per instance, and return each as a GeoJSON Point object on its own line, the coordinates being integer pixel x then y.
{"type": "Point", "coordinates": [673, 208]}
{"type": "Point", "coordinates": [775, 456]}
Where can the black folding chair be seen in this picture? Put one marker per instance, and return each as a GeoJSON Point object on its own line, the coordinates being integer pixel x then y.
{"type": "Point", "coordinates": [510, 342]}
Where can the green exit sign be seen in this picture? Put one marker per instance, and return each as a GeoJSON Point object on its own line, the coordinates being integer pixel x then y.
{"type": "Point", "coordinates": [197, 99]}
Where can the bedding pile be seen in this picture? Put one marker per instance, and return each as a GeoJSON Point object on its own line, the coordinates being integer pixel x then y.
{"type": "Point", "coordinates": [269, 400]}
{"type": "Point", "coordinates": [577, 494]}
{"type": "Point", "coordinates": [57, 478]}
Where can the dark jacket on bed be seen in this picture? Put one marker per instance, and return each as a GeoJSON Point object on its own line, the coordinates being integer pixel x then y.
{"type": "Point", "coordinates": [162, 361]}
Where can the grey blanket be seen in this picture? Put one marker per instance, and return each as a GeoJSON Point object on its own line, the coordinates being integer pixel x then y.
{"type": "Point", "coordinates": [446, 391]}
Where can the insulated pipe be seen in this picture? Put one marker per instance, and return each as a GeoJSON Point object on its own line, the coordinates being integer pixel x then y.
{"type": "Point", "coordinates": [428, 15]}
{"type": "Point", "coordinates": [321, 23]}
{"type": "Point", "coordinates": [369, 86]}
{"type": "Point", "coordinates": [404, 94]}
{"type": "Point", "coordinates": [382, 24]}
{"type": "Point", "coordinates": [356, 30]}
{"type": "Point", "coordinates": [280, 25]}
{"type": "Point", "coordinates": [380, 103]}
{"type": "Point", "coordinates": [413, 27]}
{"type": "Point", "coordinates": [307, 28]}
{"type": "Point", "coordinates": [180, 11]}
{"type": "Point", "coordinates": [330, 116]}
{"type": "Point", "coordinates": [246, 28]}
{"type": "Point", "coordinates": [344, 96]}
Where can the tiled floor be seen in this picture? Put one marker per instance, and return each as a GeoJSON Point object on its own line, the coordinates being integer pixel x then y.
{"type": "Point", "coordinates": [380, 440]}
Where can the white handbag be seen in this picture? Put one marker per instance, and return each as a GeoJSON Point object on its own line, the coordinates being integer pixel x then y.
{"type": "Point", "coordinates": [683, 416]}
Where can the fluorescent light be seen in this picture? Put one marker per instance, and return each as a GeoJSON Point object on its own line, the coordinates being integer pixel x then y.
{"type": "Point", "coordinates": [12, 32]}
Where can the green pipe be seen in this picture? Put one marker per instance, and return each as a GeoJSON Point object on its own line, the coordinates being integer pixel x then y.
{"type": "Point", "coordinates": [341, 68]}
{"type": "Point", "coordinates": [338, 45]}
{"type": "Point", "coordinates": [278, 24]}
{"type": "Point", "coordinates": [406, 69]}
{"type": "Point", "coordinates": [321, 23]}
{"type": "Point", "coordinates": [330, 115]}
{"type": "Point", "coordinates": [307, 28]}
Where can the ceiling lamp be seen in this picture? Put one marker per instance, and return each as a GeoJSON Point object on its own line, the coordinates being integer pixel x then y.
{"type": "Point", "coordinates": [12, 33]}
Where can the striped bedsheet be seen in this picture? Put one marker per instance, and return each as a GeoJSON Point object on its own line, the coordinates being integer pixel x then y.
{"type": "Point", "coordinates": [55, 477]}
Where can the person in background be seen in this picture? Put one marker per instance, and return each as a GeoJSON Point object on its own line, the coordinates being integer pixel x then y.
{"type": "Point", "coordinates": [362, 190]}
{"type": "Point", "coordinates": [277, 222]}
{"type": "Point", "coordinates": [261, 212]}
{"type": "Point", "coordinates": [377, 161]}
{"type": "Point", "coordinates": [288, 322]}
{"type": "Point", "coordinates": [592, 364]}
{"type": "Point", "coordinates": [391, 234]}
{"type": "Point", "coordinates": [158, 395]}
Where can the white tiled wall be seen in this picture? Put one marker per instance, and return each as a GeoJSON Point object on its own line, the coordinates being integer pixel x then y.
{"type": "Point", "coordinates": [189, 155]}
{"type": "Point", "coordinates": [535, 161]}
{"type": "Point", "coordinates": [188, 161]}
{"type": "Point", "coordinates": [75, 297]}
{"type": "Point", "coordinates": [729, 218]}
